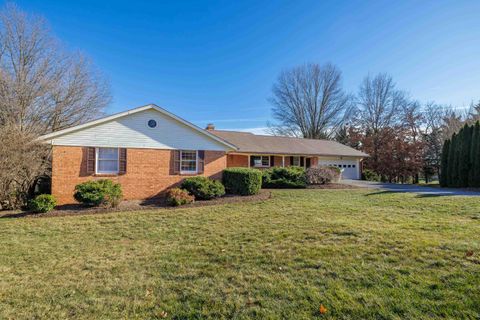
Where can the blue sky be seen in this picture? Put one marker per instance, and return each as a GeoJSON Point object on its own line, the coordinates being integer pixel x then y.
{"type": "Point", "coordinates": [216, 61]}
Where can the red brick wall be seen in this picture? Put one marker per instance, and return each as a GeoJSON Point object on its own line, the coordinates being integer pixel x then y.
{"type": "Point", "coordinates": [148, 172]}
{"type": "Point", "coordinates": [237, 160]}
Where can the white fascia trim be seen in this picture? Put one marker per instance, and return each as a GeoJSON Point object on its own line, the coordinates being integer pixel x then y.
{"type": "Point", "coordinates": [58, 133]}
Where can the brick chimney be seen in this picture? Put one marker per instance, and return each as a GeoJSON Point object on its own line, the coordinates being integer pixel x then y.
{"type": "Point", "coordinates": [210, 127]}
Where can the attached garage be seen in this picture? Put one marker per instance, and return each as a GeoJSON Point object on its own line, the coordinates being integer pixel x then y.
{"type": "Point", "coordinates": [263, 151]}
{"type": "Point", "coordinates": [350, 166]}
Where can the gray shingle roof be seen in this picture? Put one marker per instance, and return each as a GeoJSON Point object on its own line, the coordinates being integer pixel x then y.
{"type": "Point", "coordinates": [251, 143]}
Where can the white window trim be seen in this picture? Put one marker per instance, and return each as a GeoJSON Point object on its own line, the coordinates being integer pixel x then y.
{"type": "Point", "coordinates": [196, 163]}
{"type": "Point", "coordinates": [107, 172]}
{"type": "Point", "coordinates": [260, 155]}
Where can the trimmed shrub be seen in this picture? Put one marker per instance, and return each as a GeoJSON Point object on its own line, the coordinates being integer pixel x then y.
{"type": "Point", "coordinates": [323, 175]}
{"type": "Point", "coordinates": [289, 177]}
{"type": "Point", "coordinates": [370, 175]}
{"type": "Point", "coordinates": [178, 197]}
{"type": "Point", "coordinates": [99, 192]}
{"type": "Point", "coordinates": [42, 203]}
{"type": "Point", "coordinates": [203, 188]}
{"type": "Point", "coordinates": [242, 181]}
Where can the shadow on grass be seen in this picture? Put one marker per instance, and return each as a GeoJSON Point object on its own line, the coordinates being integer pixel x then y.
{"type": "Point", "coordinates": [433, 195]}
{"type": "Point", "coordinates": [380, 193]}
{"type": "Point", "coordinates": [418, 195]}
{"type": "Point", "coordinates": [18, 215]}
{"type": "Point", "coordinates": [63, 208]}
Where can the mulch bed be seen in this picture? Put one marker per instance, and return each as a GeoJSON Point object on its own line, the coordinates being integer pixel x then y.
{"type": "Point", "coordinates": [135, 205]}
{"type": "Point", "coordinates": [157, 203]}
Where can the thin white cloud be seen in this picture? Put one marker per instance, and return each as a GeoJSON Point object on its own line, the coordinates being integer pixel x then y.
{"type": "Point", "coordinates": [234, 120]}
{"type": "Point", "coordinates": [255, 130]}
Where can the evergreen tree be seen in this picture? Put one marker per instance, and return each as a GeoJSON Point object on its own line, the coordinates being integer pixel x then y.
{"type": "Point", "coordinates": [475, 157]}
{"type": "Point", "coordinates": [451, 160]}
{"type": "Point", "coordinates": [471, 172]}
{"type": "Point", "coordinates": [464, 155]}
{"type": "Point", "coordinates": [457, 159]}
{"type": "Point", "coordinates": [444, 163]}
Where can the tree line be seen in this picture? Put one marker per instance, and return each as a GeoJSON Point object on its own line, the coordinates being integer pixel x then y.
{"type": "Point", "coordinates": [460, 163]}
{"type": "Point", "coordinates": [403, 136]}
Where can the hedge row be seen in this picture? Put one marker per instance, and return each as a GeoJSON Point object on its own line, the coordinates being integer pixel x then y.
{"type": "Point", "coordinates": [460, 162]}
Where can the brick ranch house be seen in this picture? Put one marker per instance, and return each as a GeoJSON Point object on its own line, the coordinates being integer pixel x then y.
{"type": "Point", "coordinates": [148, 150]}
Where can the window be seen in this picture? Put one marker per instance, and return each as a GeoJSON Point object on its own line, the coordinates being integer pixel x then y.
{"type": "Point", "coordinates": [296, 161]}
{"type": "Point", "coordinates": [261, 161]}
{"type": "Point", "coordinates": [107, 160]}
{"type": "Point", "coordinates": [349, 166]}
{"type": "Point", "coordinates": [152, 123]}
{"type": "Point", "coordinates": [188, 161]}
{"type": "Point", "coordinates": [353, 166]}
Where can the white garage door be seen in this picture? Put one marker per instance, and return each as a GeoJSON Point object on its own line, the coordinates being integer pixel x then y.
{"type": "Point", "coordinates": [349, 168]}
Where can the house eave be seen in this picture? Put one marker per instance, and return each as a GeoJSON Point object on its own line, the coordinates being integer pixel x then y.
{"type": "Point", "coordinates": [296, 154]}
{"type": "Point", "coordinates": [49, 138]}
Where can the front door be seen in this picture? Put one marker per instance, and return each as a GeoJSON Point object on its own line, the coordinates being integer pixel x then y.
{"type": "Point", "coordinates": [308, 162]}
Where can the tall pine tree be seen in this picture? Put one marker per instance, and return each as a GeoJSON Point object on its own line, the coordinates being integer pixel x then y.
{"type": "Point", "coordinates": [475, 157]}
{"type": "Point", "coordinates": [464, 155]}
{"type": "Point", "coordinates": [451, 161]}
{"type": "Point", "coordinates": [457, 159]}
{"type": "Point", "coordinates": [444, 163]}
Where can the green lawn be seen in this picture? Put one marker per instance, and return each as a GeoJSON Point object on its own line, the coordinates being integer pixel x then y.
{"type": "Point", "coordinates": [362, 254]}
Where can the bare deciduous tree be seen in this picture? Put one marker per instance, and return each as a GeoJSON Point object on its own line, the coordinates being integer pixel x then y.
{"type": "Point", "coordinates": [474, 113]}
{"type": "Point", "coordinates": [379, 107]}
{"type": "Point", "coordinates": [432, 139]}
{"type": "Point", "coordinates": [433, 115]}
{"type": "Point", "coordinates": [22, 160]}
{"type": "Point", "coordinates": [309, 101]}
{"type": "Point", "coordinates": [452, 123]}
{"type": "Point", "coordinates": [42, 89]}
{"type": "Point", "coordinates": [379, 103]}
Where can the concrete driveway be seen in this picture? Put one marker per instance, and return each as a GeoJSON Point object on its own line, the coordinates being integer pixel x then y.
{"type": "Point", "coordinates": [425, 191]}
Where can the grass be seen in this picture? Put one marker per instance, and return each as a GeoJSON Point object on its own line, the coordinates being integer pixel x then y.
{"type": "Point", "coordinates": [360, 254]}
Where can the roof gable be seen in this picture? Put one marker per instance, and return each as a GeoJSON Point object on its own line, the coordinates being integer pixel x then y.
{"type": "Point", "coordinates": [129, 129]}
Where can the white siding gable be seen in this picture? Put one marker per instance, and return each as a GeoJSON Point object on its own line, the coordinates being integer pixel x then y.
{"type": "Point", "coordinates": [132, 131]}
